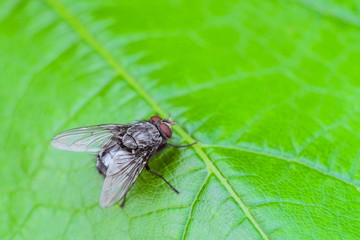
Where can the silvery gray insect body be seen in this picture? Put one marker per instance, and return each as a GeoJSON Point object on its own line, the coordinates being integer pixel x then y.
{"type": "Point", "coordinates": [123, 152]}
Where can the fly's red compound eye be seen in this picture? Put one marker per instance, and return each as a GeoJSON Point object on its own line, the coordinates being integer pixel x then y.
{"type": "Point", "coordinates": [156, 118]}
{"type": "Point", "coordinates": [166, 129]}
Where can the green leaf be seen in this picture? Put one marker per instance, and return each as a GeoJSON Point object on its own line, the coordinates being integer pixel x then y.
{"type": "Point", "coordinates": [269, 90]}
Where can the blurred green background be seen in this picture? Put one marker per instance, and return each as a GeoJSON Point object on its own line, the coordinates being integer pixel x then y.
{"type": "Point", "coordinates": [269, 89]}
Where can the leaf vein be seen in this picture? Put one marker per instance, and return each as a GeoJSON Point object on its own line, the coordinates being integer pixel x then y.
{"type": "Point", "coordinates": [341, 15]}
{"type": "Point", "coordinates": [201, 189]}
{"type": "Point", "coordinates": [291, 160]}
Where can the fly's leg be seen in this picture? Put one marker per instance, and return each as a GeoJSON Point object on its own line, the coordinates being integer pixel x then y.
{"type": "Point", "coordinates": [123, 201]}
{"type": "Point", "coordinates": [149, 170]}
{"type": "Point", "coordinates": [182, 146]}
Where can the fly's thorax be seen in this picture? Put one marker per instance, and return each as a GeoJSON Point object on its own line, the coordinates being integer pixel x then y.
{"type": "Point", "coordinates": [129, 141]}
{"type": "Point", "coordinates": [141, 135]}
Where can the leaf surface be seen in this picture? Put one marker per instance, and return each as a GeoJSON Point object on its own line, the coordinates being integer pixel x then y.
{"type": "Point", "coordinates": [269, 90]}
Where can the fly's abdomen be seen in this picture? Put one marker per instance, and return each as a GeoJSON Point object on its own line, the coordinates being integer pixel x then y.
{"type": "Point", "coordinates": [100, 166]}
{"type": "Point", "coordinates": [114, 155]}
{"type": "Point", "coordinates": [105, 157]}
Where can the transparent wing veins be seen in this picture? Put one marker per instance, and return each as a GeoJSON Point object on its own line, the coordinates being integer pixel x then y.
{"type": "Point", "coordinates": [84, 139]}
{"type": "Point", "coordinates": [121, 175]}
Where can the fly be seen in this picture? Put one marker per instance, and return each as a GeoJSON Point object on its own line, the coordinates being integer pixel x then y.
{"type": "Point", "coordinates": [123, 151]}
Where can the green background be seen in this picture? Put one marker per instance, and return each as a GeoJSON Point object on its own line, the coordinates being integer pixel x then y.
{"type": "Point", "coordinates": [269, 89]}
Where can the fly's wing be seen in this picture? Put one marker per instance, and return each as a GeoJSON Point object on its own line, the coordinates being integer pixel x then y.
{"type": "Point", "coordinates": [86, 139]}
{"type": "Point", "coordinates": [121, 175]}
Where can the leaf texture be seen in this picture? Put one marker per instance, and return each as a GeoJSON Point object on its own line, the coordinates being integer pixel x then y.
{"type": "Point", "coordinates": [268, 89]}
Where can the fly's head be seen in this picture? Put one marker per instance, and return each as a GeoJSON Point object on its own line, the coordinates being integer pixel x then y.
{"type": "Point", "coordinates": [163, 125]}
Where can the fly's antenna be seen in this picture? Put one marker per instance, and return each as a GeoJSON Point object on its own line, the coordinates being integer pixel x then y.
{"type": "Point", "coordinates": [171, 122]}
